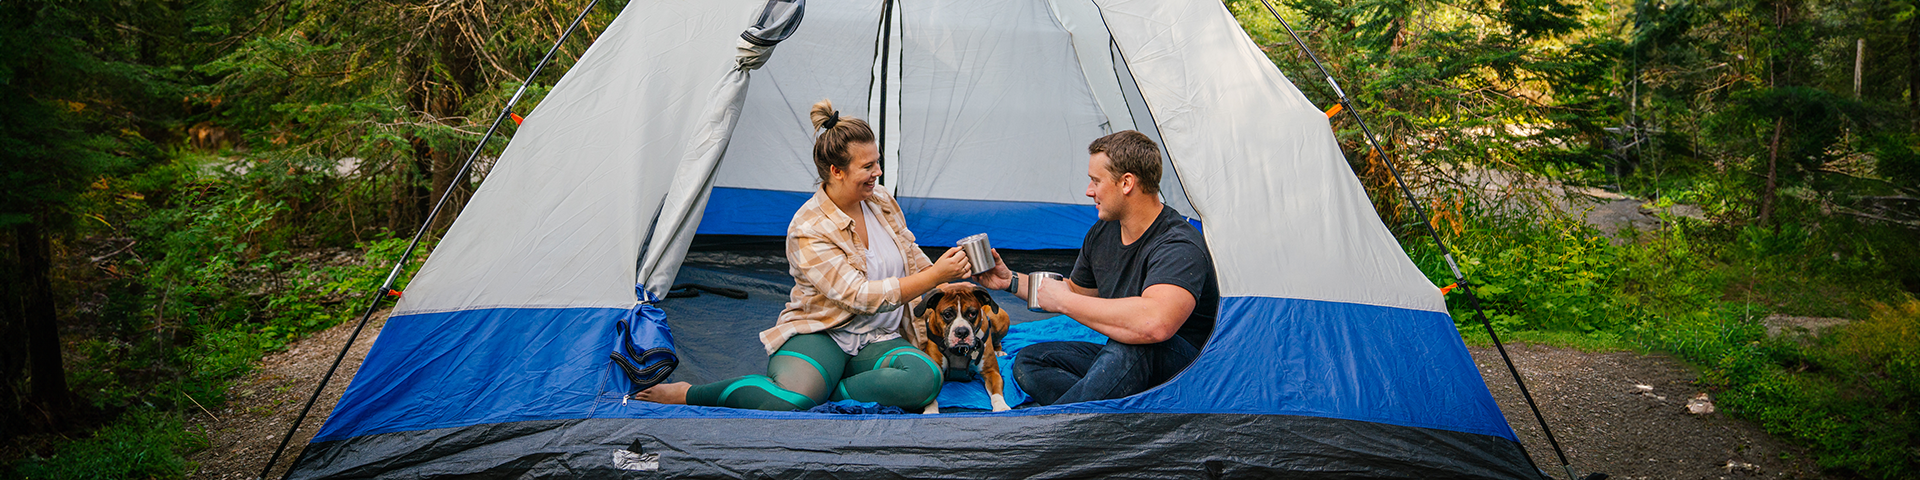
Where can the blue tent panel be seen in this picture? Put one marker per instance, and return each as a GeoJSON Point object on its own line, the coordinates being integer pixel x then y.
{"type": "Point", "coordinates": [1334, 360]}
{"type": "Point", "coordinates": [474, 367]}
{"type": "Point", "coordinates": [936, 221]}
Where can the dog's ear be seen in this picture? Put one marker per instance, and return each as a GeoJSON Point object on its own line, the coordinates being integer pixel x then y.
{"type": "Point", "coordinates": [986, 299]}
{"type": "Point", "coordinates": [992, 310]}
{"type": "Point", "coordinates": [927, 300]}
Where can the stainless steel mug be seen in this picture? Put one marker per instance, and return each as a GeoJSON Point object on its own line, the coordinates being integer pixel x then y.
{"type": "Point", "coordinates": [979, 252]}
{"type": "Point", "coordinates": [1033, 285]}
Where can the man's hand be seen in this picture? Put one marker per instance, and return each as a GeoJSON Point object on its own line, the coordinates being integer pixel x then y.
{"type": "Point", "coordinates": [996, 278]}
{"type": "Point", "coordinates": [1050, 292]}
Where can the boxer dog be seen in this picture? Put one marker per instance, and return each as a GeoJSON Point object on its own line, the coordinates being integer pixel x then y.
{"type": "Point", "coordinates": [963, 331]}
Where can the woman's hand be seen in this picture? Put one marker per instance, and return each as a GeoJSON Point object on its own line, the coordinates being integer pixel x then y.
{"type": "Point", "coordinates": [996, 278]}
{"type": "Point", "coordinates": [952, 265]}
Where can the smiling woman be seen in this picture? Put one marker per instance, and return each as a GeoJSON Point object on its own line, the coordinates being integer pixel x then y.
{"type": "Point", "coordinates": [842, 335]}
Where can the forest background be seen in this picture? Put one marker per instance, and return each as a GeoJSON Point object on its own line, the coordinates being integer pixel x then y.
{"type": "Point", "coordinates": [190, 184]}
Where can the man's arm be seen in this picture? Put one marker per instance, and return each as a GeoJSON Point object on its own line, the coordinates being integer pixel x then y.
{"type": "Point", "coordinates": [1088, 291]}
{"type": "Point", "coordinates": [1153, 317]}
{"type": "Point", "coordinates": [999, 278]}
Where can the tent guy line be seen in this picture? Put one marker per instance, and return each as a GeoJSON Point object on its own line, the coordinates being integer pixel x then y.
{"type": "Point", "coordinates": [1460, 279]}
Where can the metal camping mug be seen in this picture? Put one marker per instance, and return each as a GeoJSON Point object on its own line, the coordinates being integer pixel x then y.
{"type": "Point", "coordinates": [979, 252]}
{"type": "Point", "coordinates": [1032, 286]}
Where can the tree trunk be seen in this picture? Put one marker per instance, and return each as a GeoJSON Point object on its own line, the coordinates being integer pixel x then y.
{"type": "Point", "coordinates": [1769, 193]}
{"type": "Point", "coordinates": [420, 191]}
{"type": "Point", "coordinates": [13, 340]}
{"type": "Point", "coordinates": [409, 188]}
{"type": "Point", "coordinates": [439, 99]}
{"type": "Point", "coordinates": [463, 66]}
{"type": "Point", "coordinates": [445, 166]}
{"type": "Point", "coordinates": [1913, 70]}
{"type": "Point", "coordinates": [47, 387]}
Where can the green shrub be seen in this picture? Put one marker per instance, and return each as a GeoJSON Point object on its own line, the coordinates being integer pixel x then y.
{"type": "Point", "coordinates": [1883, 350]}
{"type": "Point", "coordinates": [144, 443]}
{"type": "Point", "coordinates": [1857, 405]}
{"type": "Point", "coordinates": [1550, 277]}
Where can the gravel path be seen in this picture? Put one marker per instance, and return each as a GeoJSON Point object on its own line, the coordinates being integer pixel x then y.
{"type": "Point", "coordinates": [1608, 419]}
{"type": "Point", "coordinates": [242, 435]}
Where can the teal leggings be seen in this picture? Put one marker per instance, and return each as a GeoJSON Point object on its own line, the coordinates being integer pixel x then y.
{"type": "Point", "coordinates": [810, 369]}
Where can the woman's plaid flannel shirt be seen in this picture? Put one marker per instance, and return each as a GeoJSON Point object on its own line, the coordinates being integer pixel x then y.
{"type": "Point", "coordinates": [829, 269]}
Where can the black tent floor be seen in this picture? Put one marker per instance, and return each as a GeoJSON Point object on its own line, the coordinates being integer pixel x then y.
{"type": "Point", "coordinates": [1107, 445]}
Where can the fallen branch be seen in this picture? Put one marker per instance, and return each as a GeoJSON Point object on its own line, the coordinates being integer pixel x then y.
{"type": "Point", "coordinates": [1906, 223]}
{"type": "Point", "coordinates": [115, 252]}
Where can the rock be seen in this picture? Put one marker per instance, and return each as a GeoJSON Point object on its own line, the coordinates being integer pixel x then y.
{"type": "Point", "coordinates": [1738, 466]}
{"type": "Point", "coordinates": [1701, 404]}
{"type": "Point", "coordinates": [1647, 391]}
{"type": "Point", "coordinates": [1779, 324]}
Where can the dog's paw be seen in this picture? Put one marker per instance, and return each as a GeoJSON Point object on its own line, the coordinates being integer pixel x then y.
{"type": "Point", "coordinates": [933, 408]}
{"type": "Point", "coordinates": [999, 403]}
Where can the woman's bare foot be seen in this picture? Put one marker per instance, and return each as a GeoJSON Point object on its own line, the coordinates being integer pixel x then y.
{"type": "Point", "coordinates": [668, 393]}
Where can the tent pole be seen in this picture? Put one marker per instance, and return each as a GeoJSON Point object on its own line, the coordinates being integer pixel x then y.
{"type": "Point", "coordinates": [1421, 212]}
{"type": "Point", "coordinates": [386, 287]}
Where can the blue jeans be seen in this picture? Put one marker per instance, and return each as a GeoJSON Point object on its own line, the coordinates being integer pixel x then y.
{"type": "Point", "coordinates": [1069, 372]}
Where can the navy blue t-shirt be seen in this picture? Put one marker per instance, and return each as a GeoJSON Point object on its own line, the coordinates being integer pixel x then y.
{"type": "Point", "coordinates": [1170, 252]}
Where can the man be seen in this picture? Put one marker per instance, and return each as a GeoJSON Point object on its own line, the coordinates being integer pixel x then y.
{"type": "Point", "coordinates": [1143, 278]}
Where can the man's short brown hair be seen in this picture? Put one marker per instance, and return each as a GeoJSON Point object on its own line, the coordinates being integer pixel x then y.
{"type": "Point", "coordinates": [1132, 152]}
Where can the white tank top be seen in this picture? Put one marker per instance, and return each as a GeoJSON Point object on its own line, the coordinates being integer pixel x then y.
{"type": "Point", "coordinates": [883, 262]}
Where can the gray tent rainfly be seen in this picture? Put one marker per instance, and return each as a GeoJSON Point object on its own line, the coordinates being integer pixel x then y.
{"type": "Point", "coordinates": [1332, 355]}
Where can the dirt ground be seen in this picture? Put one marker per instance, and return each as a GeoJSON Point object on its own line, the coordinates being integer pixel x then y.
{"type": "Point", "coordinates": [1607, 420]}
{"type": "Point", "coordinates": [1600, 413]}
{"type": "Point", "coordinates": [242, 435]}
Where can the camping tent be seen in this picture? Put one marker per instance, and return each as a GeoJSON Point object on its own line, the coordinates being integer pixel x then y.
{"type": "Point", "coordinates": [1333, 356]}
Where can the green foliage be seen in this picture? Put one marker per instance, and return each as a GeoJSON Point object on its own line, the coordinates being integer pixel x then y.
{"type": "Point", "coordinates": [1851, 395]}
{"type": "Point", "coordinates": [1599, 341]}
{"type": "Point", "coordinates": [58, 135]}
{"type": "Point", "coordinates": [1542, 278]}
{"type": "Point", "coordinates": [1759, 97]}
{"type": "Point", "coordinates": [145, 443]}
{"type": "Point", "coordinates": [402, 89]}
{"type": "Point", "coordinates": [1897, 158]}
{"type": "Point", "coordinates": [212, 279]}
{"type": "Point", "coordinates": [1451, 83]}
{"type": "Point", "coordinates": [1885, 349]}
{"type": "Point", "coordinates": [220, 287]}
